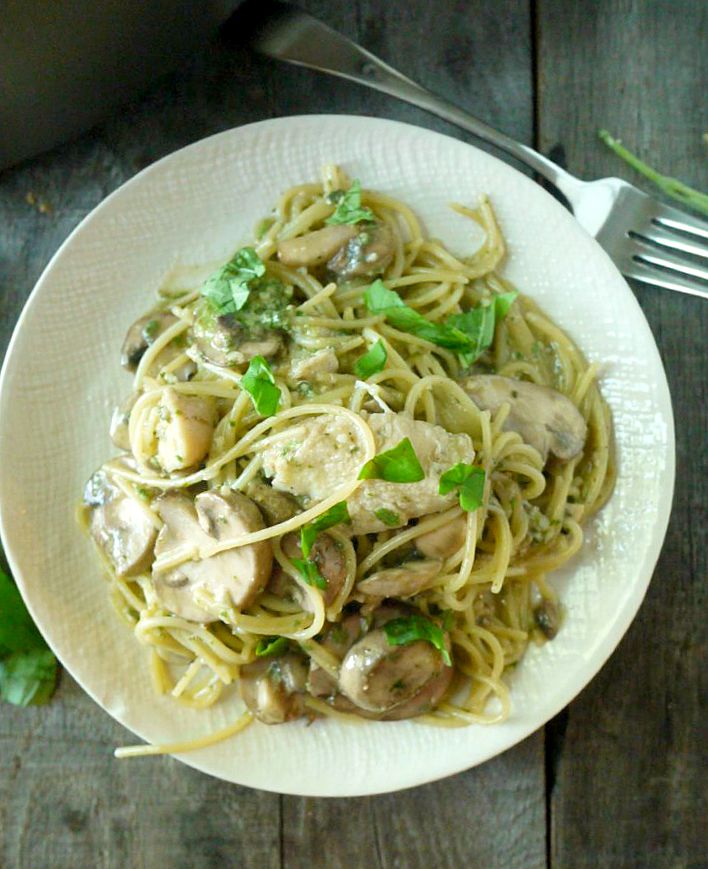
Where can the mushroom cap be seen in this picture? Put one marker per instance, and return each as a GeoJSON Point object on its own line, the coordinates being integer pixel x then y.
{"type": "Point", "coordinates": [119, 525]}
{"type": "Point", "coordinates": [315, 248]}
{"type": "Point", "coordinates": [545, 418]}
{"type": "Point", "coordinates": [141, 335]}
{"type": "Point", "coordinates": [404, 581]}
{"type": "Point", "coordinates": [234, 577]}
{"type": "Point", "coordinates": [273, 688]}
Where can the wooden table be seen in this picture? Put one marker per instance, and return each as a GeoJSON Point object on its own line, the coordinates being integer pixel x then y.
{"type": "Point", "coordinates": [617, 779]}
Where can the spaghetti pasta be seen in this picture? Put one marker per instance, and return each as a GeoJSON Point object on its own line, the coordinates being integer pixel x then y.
{"type": "Point", "coordinates": [345, 358]}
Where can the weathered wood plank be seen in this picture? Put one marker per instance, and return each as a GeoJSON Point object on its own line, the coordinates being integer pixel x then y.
{"type": "Point", "coordinates": [629, 760]}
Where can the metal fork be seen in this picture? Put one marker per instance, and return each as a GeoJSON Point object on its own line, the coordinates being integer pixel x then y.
{"type": "Point", "coordinates": [647, 240]}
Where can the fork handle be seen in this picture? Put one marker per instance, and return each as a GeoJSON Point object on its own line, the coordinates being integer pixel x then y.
{"type": "Point", "coordinates": [315, 45]}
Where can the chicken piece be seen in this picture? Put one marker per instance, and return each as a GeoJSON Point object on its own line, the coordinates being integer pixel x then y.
{"type": "Point", "coordinates": [308, 367]}
{"type": "Point", "coordinates": [184, 431]}
{"type": "Point", "coordinates": [233, 577]}
{"type": "Point", "coordinates": [325, 452]}
{"type": "Point", "coordinates": [545, 418]}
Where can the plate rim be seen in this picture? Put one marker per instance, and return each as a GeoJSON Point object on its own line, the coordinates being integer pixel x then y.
{"type": "Point", "coordinates": [652, 551]}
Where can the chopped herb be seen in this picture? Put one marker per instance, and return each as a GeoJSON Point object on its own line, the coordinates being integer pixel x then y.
{"type": "Point", "coordinates": [398, 685]}
{"type": "Point", "coordinates": [373, 361]}
{"type": "Point", "coordinates": [670, 186]}
{"type": "Point", "coordinates": [228, 288]}
{"type": "Point", "coordinates": [349, 208]}
{"type": "Point", "coordinates": [388, 517]}
{"type": "Point", "coordinates": [409, 629]}
{"type": "Point", "coordinates": [271, 646]}
{"type": "Point", "coordinates": [150, 330]}
{"type": "Point", "coordinates": [479, 325]}
{"type": "Point", "coordinates": [143, 492]}
{"type": "Point", "coordinates": [334, 516]}
{"type": "Point", "coordinates": [469, 334]}
{"type": "Point", "coordinates": [263, 226]}
{"type": "Point", "coordinates": [398, 465]}
{"type": "Point", "coordinates": [28, 669]}
{"type": "Point", "coordinates": [469, 479]}
{"type": "Point", "coordinates": [259, 383]}
{"type": "Point", "coordinates": [310, 572]}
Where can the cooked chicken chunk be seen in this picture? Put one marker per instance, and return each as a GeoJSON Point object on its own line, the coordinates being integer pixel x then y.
{"type": "Point", "coordinates": [322, 362]}
{"type": "Point", "coordinates": [184, 431]}
{"type": "Point", "coordinates": [324, 452]}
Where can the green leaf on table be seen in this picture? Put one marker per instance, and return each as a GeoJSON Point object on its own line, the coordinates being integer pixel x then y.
{"type": "Point", "coordinates": [259, 383]}
{"type": "Point", "coordinates": [397, 465]}
{"type": "Point", "coordinates": [409, 629]}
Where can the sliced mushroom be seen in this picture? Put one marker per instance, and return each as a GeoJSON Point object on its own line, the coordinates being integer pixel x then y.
{"type": "Point", "coordinates": [403, 581]}
{"type": "Point", "coordinates": [233, 577]}
{"type": "Point", "coordinates": [424, 701]}
{"type": "Point", "coordinates": [274, 688]}
{"type": "Point", "coordinates": [226, 341]}
{"type": "Point", "coordinates": [185, 429]}
{"type": "Point", "coordinates": [445, 541]}
{"type": "Point", "coordinates": [120, 418]}
{"type": "Point", "coordinates": [378, 676]}
{"type": "Point", "coordinates": [368, 253]}
{"type": "Point", "coordinates": [547, 618]}
{"type": "Point", "coordinates": [337, 638]}
{"type": "Point", "coordinates": [141, 335]}
{"type": "Point", "coordinates": [315, 248]}
{"type": "Point", "coordinates": [275, 506]}
{"type": "Point", "coordinates": [545, 418]}
{"type": "Point", "coordinates": [119, 525]}
{"type": "Point", "coordinates": [328, 557]}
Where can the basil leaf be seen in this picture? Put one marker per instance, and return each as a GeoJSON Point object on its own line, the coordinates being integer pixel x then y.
{"type": "Point", "coordinates": [373, 361]}
{"type": "Point", "coordinates": [469, 479]}
{"type": "Point", "coordinates": [479, 325]}
{"type": "Point", "coordinates": [398, 465]}
{"type": "Point", "coordinates": [310, 572]}
{"type": "Point", "coordinates": [271, 646]}
{"type": "Point", "coordinates": [409, 629]}
{"type": "Point", "coordinates": [17, 630]}
{"type": "Point", "coordinates": [349, 208]}
{"type": "Point", "coordinates": [380, 300]}
{"type": "Point", "coordinates": [259, 383]}
{"type": "Point", "coordinates": [28, 677]}
{"type": "Point", "coordinates": [228, 288]}
{"type": "Point", "coordinates": [388, 517]}
{"type": "Point", "coordinates": [336, 514]}
{"type": "Point", "coordinates": [469, 334]}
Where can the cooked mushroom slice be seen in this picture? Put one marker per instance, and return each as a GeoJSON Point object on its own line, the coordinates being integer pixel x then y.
{"type": "Point", "coordinates": [328, 557]}
{"type": "Point", "coordinates": [443, 542]}
{"type": "Point", "coordinates": [184, 431]}
{"type": "Point", "coordinates": [547, 618]}
{"type": "Point", "coordinates": [337, 638]}
{"type": "Point", "coordinates": [275, 506]}
{"type": "Point", "coordinates": [119, 525]}
{"type": "Point", "coordinates": [424, 701]}
{"type": "Point", "coordinates": [315, 248]}
{"type": "Point", "coordinates": [233, 577]}
{"type": "Point", "coordinates": [545, 418]}
{"type": "Point", "coordinates": [141, 335]}
{"type": "Point", "coordinates": [368, 253]}
{"type": "Point", "coordinates": [274, 688]}
{"type": "Point", "coordinates": [403, 581]}
{"type": "Point", "coordinates": [378, 677]}
{"type": "Point", "coordinates": [120, 418]}
{"type": "Point", "coordinates": [226, 341]}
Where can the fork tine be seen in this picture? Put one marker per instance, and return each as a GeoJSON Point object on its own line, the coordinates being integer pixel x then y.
{"type": "Point", "coordinates": [676, 220]}
{"type": "Point", "coordinates": [645, 273]}
{"type": "Point", "coordinates": [669, 240]}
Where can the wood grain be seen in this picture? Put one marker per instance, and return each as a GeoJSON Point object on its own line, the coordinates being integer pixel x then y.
{"type": "Point", "coordinates": [629, 761]}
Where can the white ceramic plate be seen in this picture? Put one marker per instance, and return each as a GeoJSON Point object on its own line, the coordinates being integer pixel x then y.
{"type": "Point", "coordinates": [61, 377]}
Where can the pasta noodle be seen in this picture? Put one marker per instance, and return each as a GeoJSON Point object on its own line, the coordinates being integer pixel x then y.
{"type": "Point", "coordinates": [487, 595]}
